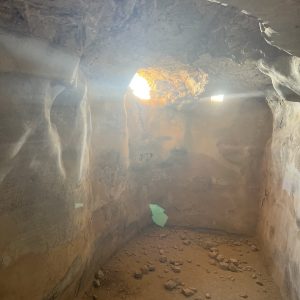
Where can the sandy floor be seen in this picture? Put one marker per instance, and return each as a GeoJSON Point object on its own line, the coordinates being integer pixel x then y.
{"type": "Point", "coordinates": [174, 262]}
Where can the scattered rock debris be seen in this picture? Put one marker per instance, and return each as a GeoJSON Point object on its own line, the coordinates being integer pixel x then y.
{"type": "Point", "coordinates": [207, 266]}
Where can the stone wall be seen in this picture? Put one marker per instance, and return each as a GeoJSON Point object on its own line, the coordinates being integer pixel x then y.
{"type": "Point", "coordinates": [280, 205]}
{"type": "Point", "coordinates": [202, 165]}
{"type": "Point", "coordinates": [280, 217]}
{"type": "Point", "coordinates": [44, 187]}
{"type": "Point", "coordinates": [67, 202]}
{"type": "Point", "coordinates": [76, 173]}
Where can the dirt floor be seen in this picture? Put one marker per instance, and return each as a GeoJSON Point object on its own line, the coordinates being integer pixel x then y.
{"type": "Point", "coordinates": [165, 264]}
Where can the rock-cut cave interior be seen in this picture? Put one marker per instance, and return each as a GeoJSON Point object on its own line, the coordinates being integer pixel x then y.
{"type": "Point", "coordinates": [150, 149]}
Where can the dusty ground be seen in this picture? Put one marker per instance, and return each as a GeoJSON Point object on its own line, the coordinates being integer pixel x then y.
{"type": "Point", "coordinates": [192, 267]}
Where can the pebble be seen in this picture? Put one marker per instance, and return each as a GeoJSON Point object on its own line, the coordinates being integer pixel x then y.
{"type": "Point", "coordinates": [214, 249]}
{"type": "Point", "coordinates": [187, 242]}
{"type": "Point", "coordinates": [248, 268]}
{"type": "Point", "coordinates": [232, 268]}
{"type": "Point", "coordinates": [234, 261]}
{"type": "Point", "coordinates": [213, 254]}
{"type": "Point", "coordinates": [176, 269]}
{"type": "Point", "coordinates": [220, 258]}
{"type": "Point", "coordinates": [138, 275]}
{"type": "Point", "coordinates": [187, 292]}
{"type": "Point", "coordinates": [208, 244]}
{"type": "Point", "coordinates": [161, 252]}
{"type": "Point", "coordinates": [170, 285]}
{"type": "Point", "coordinates": [207, 296]}
{"type": "Point", "coordinates": [163, 259]}
{"type": "Point", "coordinates": [224, 266]}
{"type": "Point", "coordinates": [151, 268]}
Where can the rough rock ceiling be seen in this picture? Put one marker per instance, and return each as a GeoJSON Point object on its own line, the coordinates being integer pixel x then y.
{"type": "Point", "coordinates": [282, 16]}
{"type": "Point", "coordinates": [111, 32]}
{"type": "Point", "coordinates": [175, 83]}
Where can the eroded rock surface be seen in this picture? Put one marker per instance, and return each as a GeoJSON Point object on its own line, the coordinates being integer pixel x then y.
{"type": "Point", "coordinates": [279, 220]}
{"type": "Point", "coordinates": [203, 165]}
{"type": "Point", "coordinates": [76, 172]}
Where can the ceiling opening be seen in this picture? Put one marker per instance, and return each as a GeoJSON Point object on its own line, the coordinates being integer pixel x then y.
{"type": "Point", "coordinates": [169, 83]}
{"type": "Point", "coordinates": [140, 87]}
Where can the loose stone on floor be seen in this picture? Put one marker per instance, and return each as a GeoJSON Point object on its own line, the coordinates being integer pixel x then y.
{"type": "Point", "coordinates": [173, 264]}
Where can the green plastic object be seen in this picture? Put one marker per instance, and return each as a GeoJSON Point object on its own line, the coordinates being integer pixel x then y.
{"type": "Point", "coordinates": [158, 215]}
